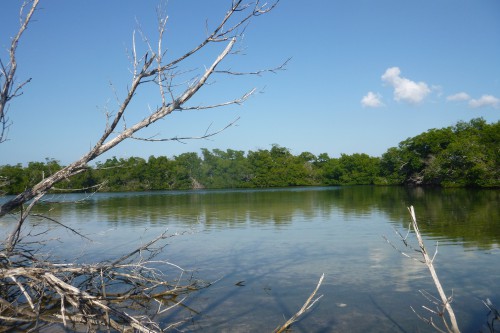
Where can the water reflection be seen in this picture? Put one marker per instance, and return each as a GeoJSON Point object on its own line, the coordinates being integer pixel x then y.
{"type": "Point", "coordinates": [279, 242]}
{"type": "Point", "coordinates": [470, 217]}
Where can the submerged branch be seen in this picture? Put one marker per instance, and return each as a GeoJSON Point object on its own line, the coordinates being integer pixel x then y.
{"type": "Point", "coordinates": [307, 305]}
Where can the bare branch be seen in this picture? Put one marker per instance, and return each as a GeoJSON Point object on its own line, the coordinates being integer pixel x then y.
{"type": "Point", "coordinates": [62, 225]}
{"type": "Point", "coordinates": [274, 70]}
{"type": "Point", "coordinates": [7, 90]}
{"type": "Point", "coordinates": [15, 234]}
{"type": "Point", "coordinates": [443, 305]}
{"type": "Point", "coordinates": [145, 73]}
{"type": "Point", "coordinates": [429, 263]}
{"type": "Point", "coordinates": [219, 34]}
{"type": "Point", "coordinates": [404, 239]}
{"type": "Point", "coordinates": [307, 305]}
{"type": "Point", "coordinates": [102, 146]}
{"type": "Point", "coordinates": [181, 139]}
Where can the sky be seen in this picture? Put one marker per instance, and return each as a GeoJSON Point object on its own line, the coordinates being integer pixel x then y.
{"type": "Point", "coordinates": [364, 75]}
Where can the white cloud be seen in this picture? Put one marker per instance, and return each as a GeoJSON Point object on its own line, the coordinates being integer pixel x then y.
{"type": "Point", "coordinates": [405, 89]}
{"type": "Point", "coordinates": [461, 96]}
{"type": "Point", "coordinates": [485, 100]}
{"type": "Point", "coordinates": [372, 100]}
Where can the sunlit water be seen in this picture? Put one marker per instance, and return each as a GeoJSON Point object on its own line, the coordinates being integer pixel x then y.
{"type": "Point", "coordinates": [268, 248]}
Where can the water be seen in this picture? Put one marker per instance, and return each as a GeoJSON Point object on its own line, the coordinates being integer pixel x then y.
{"type": "Point", "coordinates": [268, 248]}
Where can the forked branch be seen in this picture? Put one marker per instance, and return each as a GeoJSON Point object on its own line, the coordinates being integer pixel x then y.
{"type": "Point", "coordinates": [8, 71]}
{"type": "Point", "coordinates": [307, 305]}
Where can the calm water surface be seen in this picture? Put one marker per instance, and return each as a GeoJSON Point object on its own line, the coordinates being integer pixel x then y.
{"type": "Point", "coordinates": [280, 241]}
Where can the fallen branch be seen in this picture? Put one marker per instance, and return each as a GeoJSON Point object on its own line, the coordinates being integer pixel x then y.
{"type": "Point", "coordinates": [443, 303]}
{"type": "Point", "coordinates": [307, 305]}
{"type": "Point", "coordinates": [430, 265]}
{"type": "Point", "coordinates": [117, 295]}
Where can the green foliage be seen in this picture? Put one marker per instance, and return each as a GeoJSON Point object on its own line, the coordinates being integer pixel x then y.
{"type": "Point", "coordinates": [355, 169]}
{"type": "Point", "coordinates": [279, 168]}
{"type": "Point", "coordinates": [464, 155]}
{"type": "Point", "coordinates": [13, 179]}
{"type": "Point", "coordinates": [467, 154]}
{"type": "Point", "coordinates": [229, 169]}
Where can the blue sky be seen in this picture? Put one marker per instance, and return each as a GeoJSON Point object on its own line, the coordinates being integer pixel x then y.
{"type": "Point", "coordinates": [364, 75]}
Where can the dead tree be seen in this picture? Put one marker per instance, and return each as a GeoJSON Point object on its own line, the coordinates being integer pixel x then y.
{"type": "Point", "coordinates": [150, 68]}
{"type": "Point", "coordinates": [35, 291]}
{"type": "Point", "coordinates": [8, 89]}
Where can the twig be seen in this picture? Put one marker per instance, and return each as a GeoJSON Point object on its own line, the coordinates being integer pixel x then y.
{"type": "Point", "coordinates": [62, 225]}
{"type": "Point", "coordinates": [307, 305]}
{"type": "Point", "coordinates": [180, 139]}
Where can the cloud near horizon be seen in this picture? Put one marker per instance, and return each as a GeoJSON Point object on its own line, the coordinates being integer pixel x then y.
{"type": "Point", "coordinates": [404, 89]}
{"type": "Point", "coordinates": [485, 101]}
{"type": "Point", "coordinates": [372, 100]}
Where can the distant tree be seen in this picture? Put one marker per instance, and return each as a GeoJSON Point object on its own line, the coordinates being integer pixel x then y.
{"type": "Point", "coordinates": [308, 162]}
{"type": "Point", "coordinates": [261, 164]}
{"type": "Point", "coordinates": [13, 179]}
{"type": "Point", "coordinates": [466, 154]}
{"type": "Point", "coordinates": [229, 169]}
{"type": "Point", "coordinates": [187, 170]}
{"type": "Point", "coordinates": [160, 172]}
{"type": "Point", "coordinates": [355, 169]}
{"type": "Point", "coordinates": [392, 164]}
{"type": "Point", "coordinates": [274, 168]}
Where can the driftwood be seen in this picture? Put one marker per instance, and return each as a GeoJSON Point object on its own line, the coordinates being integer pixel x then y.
{"type": "Point", "coordinates": [129, 293]}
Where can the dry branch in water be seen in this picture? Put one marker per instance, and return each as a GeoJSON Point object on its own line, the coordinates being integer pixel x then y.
{"type": "Point", "coordinates": [442, 305]}
{"type": "Point", "coordinates": [307, 305]}
{"type": "Point", "coordinates": [493, 321]}
{"type": "Point", "coordinates": [128, 293]}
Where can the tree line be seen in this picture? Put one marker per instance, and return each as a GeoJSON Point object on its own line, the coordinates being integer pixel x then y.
{"type": "Point", "coordinates": [464, 155]}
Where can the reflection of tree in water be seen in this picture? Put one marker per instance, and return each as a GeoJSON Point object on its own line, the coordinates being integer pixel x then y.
{"type": "Point", "coordinates": [458, 215]}
{"type": "Point", "coordinates": [471, 216]}
{"type": "Point", "coordinates": [468, 216]}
